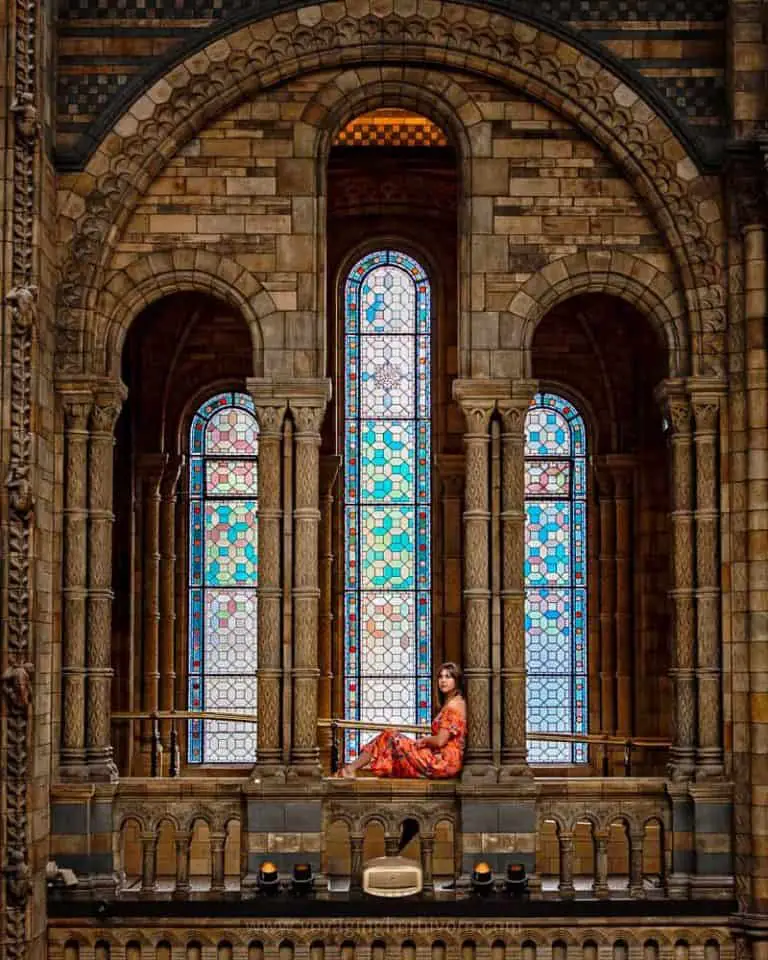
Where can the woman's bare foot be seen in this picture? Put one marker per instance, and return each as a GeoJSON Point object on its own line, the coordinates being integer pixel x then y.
{"type": "Point", "coordinates": [346, 773]}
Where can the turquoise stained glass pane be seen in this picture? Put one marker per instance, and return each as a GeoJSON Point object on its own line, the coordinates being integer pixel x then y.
{"type": "Point", "coordinates": [223, 596]}
{"type": "Point", "coordinates": [555, 577]}
{"type": "Point", "coordinates": [388, 461]}
{"type": "Point", "coordinates": [387, 493]}
{"type": "Point", "coordinates": [230, 543]}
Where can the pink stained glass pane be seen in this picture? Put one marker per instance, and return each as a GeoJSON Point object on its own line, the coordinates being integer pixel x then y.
{"type": "Point", "coordinates": [233, 432]}
{"type": "Point", "coordinates": [231, 478]}
{"type": "Point", "coordinates": [547, 478]}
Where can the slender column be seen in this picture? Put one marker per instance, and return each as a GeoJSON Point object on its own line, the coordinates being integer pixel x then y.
{"type": "Point", "coordinates": [148, 861]}
{"type": "Point", "coordinates": [607, 598]}
{"type": "Point", "coordinates": [477, 593]}
{"type": "Point", "coordinates": [622, 469]}
{"type": "Point", "coordinates": [427, 851]}
{"type": "Point", "coordinates": [709, 755]}
{"type": "Point", "coordinates": [77, 410]}
{"type": "Point", "coordinates": [513, 672]}
{"type": "Point", "coordinates": [270, 413]}
{"type": "Point", "coordinates": [356, 861]}
{"type": "Point", "coordinates": [150, 470]}
{"type": "Point", "coordinates": [600, 887]}
{"type": "Point", "coordinates": [682, 592]}
{"type": "Point", "coordinates": [218, 848]}
{"type": "Point", "coordinates": [636, 888]}
{"type": "Point", "coordinates": [105, 413]}
{"type": "Point", "coordinates": [566, 888]}
{"type": "Point", "coordinates": [308, 416]}
{"type": "Point", "coordinates": [329, 468]}
{"type": "Point", "coordinates": [167, 605]}
{"type": "Point", "coordinates": [182, 842]}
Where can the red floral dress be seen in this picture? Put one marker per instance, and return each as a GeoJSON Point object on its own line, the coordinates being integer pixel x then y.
{"type": "Point", "coordinates": [394, 754]}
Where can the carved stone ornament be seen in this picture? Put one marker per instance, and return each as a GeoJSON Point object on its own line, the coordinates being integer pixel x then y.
{"type": "Point", "coordinates": [27, 120]}
{"type": "Point", "coordinates": [584, 91]}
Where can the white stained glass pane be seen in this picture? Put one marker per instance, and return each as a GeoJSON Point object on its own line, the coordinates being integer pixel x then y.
{"type": "Point", "coordinates": [387, 302]}
{"type": "Point", "coordinates": [232, 431]}
{"type": "Point", "coordinates": [229, 742]}
{"type": "Point", "coordinates": [230, 631]}
{"type": "Point", "coordinates": [387, 377]}
{"type": "Point", "coordinates": [388, 700]}
{"type": "Point", "coordinates": [547, 433]}
{"type": "Point", "coordinates": [388, 634]}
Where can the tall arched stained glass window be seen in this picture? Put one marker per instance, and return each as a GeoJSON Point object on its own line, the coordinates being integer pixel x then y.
{"type": "Point", "coordinates": [387, 498]}
{"type": "Point", "coordinates": [556, 577]}
{"type": "Point", "coordinates": [223, 577]}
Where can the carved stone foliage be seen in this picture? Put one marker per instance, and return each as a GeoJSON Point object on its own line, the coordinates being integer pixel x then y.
{"type": "Point", "coordinates": [551, 70]}
{"type": "Point", "coordinates": [17, 639]}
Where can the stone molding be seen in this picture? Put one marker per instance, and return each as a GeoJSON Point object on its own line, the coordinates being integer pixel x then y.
{"type": "Point", "coordinates": [684, 203]}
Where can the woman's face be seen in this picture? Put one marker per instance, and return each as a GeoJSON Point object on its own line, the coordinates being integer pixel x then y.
{"type": "Point", "coordinates": [445, 683]}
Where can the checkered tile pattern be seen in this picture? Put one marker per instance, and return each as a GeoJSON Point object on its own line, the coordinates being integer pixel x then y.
{"type": "Point", "coordinates": [579, 10]}
{"type": "Point", "coordinates": [87, 95]}
{"type": "Point", "coordinates": [367, 134]}
{"type": "Point", "coordinates": [694, 97]}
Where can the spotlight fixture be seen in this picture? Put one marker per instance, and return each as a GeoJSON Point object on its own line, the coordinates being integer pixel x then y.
{"type": "Point", "coordinates": [302, 878]}
{"type": "Point", "coordinates": [482, 878]}
{"type": "Point", "coordinates": [269, 880]}
{"type": "Point", "coordinates": [516, 882]}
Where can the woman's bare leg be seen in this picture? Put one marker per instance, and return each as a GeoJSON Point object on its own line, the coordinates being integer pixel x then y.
{"type": "Point", "coordinates": [361, 761]}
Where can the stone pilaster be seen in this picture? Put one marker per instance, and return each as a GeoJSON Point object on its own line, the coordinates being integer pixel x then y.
{"type": "Point", "coordinates": [150, 471]}
{"type": "Point", "coordinates": [706, 414]}
{"type": "Point", "coordinates": [308, 402]}
{"type": "Point", "coordinates": [513, 415]}
{"type": "Point", "coordinates": [622, 469]}
{"type": "Point", "coordinates": [77, 411]}
{"type": "Point", "coordinates": [607, 597]}
{"type": "Point", "coordinates": [107, 403]}
{"type": "Point", "coordinates": [270, 412]}
{"type": "Point", "coordinates": [329, 469]}
{"type": "Point", "coordinates": [478, 404]}
{"type": "Point", "coordinates": [167, 599]}
{"type": "Point", "coordinates": [678, 415]}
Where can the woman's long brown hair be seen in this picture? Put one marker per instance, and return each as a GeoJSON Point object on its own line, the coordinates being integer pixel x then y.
{"type": "Point", "coordinates": [453, 670]}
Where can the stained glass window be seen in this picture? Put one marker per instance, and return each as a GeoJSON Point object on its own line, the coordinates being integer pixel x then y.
{"type": "Point", "coordinates": [555, 577]}
{"type": "Point", "coordinates": [387, 497]}
{"type": "Point", "coordinates": [223, 577]}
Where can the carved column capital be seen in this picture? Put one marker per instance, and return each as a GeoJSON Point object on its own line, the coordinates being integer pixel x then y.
{"type": "Point", "coordinates": [77, 406]}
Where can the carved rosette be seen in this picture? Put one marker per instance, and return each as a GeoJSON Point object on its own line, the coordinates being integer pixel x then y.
{"type": "Point", "coordinates": [677, 410]}
{"type": "Point", "coordinates": [706, 411]}
{"type": "Point", "coordinates": [17, 639]}
{"type": "Point", "coordinates": [308, 417]}
{"type": "Point", "coordinates": [107, 404]}
{"type": "Point", "coordinates": [476, 580]}
{"type": "Point", "coordinates": [270, 413]}
{"type": "Point", "coordinates": [513, 413]}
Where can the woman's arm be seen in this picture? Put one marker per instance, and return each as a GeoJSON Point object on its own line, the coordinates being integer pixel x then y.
{"type": "Point", "coordinates": [435, 741]}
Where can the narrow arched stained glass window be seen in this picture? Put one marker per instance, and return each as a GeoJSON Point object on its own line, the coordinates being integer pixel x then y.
{"type": "Point", "coordinates": [223, 577]}
{"type": "Point", "coordinates": [387, 497]}
{"type": "Point", "coordinates": [555, 577]}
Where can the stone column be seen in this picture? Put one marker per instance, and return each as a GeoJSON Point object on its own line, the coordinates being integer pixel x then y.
{"type": "Point", "coordinates": [218, 852]}
{"type": "Point", "coordinates": [148, 862]}
{"type": "Point", "coordinates": [600, 887]}
{"type": "Point", "coordinates": [622, 469]}
{"type": "Point", "coordinates": [636, 888]}
{"type": "Point", "coordinates": [706, 413]}
{"type": "Point", "coordinates": [427, 853]}
{"type": "Point", "coordinates": [329, 468]}
{"type": "Point", "coordinates": [150, 469]}
{"type": "Point", "coordinates": [106, 410]}
{"type": "Point", "coordinates": [308, 409]}
{"type": "Point", "coordinates": [678, 413]}
{"type": "Point", "coordinates": [566, 888]}
{"type": "Point", "coordinates": [167, 630]}
{"type": "Point", "coordinates": [77, 411]}
{"type": "Point", "coordinates": [513, 413]}
{"type": "Point", "coordinates": [182, 842]}
{"type": "Point", "coordinates": [270, 412]}
{"type": "Point", "coordinates": [477, 406]}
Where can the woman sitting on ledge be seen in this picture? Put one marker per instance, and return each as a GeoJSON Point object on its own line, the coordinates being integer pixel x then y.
{"type": "Point", "coordinates": [393, 754]}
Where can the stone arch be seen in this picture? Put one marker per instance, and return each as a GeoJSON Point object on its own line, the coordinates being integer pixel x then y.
{"type": "Point", "coordinates": [553, 69]}
{"type": "Point", "coordinates": [147, 279]}
{"type": "Point", "coordinates": [654, 293]}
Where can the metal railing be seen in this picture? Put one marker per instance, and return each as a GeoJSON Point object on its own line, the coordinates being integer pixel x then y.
{"type": "Point", "coordinates": [610, 742]}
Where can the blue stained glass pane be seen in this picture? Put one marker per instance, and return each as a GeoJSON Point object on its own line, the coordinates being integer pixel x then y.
{"type": "Point", "coordinates": [387, 559]}
{"type": "Point", "coordinates": [223, 558]}
{"type": "Point", "coordinates": [555, 576]}
{"type": "Point", "coordinates": [547, 547]}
